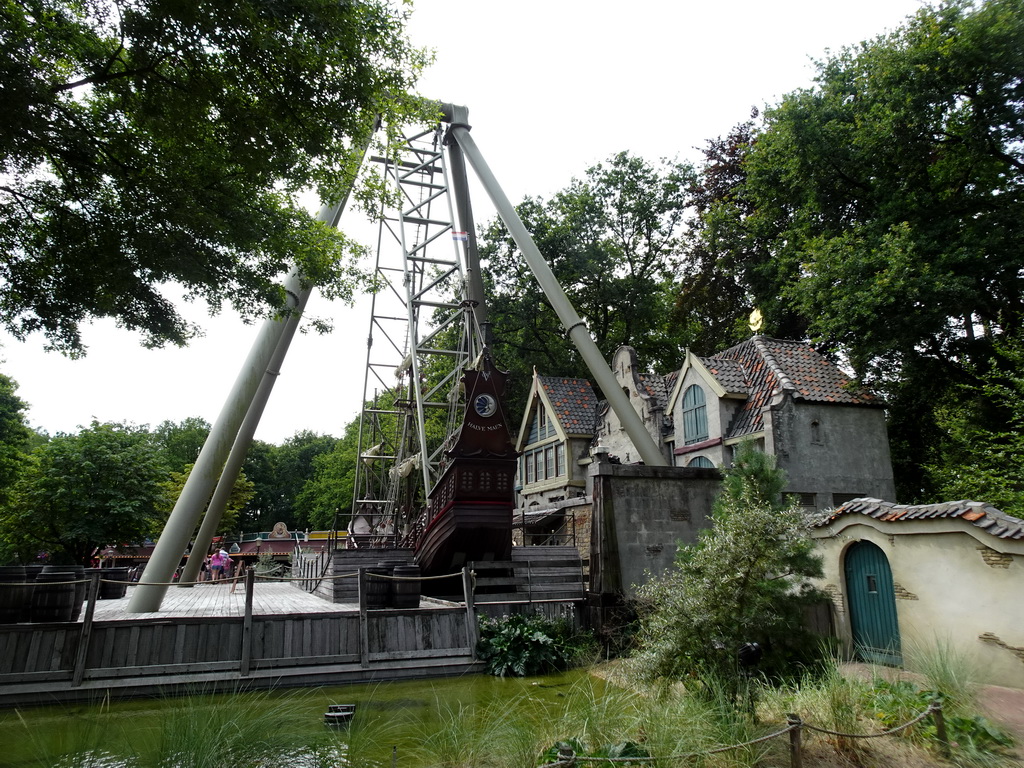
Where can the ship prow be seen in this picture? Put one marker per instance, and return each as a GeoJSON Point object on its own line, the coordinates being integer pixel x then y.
{"type": "Point", "coordinates": [470, 508]}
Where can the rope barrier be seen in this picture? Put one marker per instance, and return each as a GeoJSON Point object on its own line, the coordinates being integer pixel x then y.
{"type": "Point", "coordinates": [921, 716]}
{"type": "Point", "coordinates": [574, 758]}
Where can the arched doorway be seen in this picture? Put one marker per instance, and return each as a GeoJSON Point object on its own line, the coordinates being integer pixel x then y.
{"type": "Point", "coordinates": [872, 604]}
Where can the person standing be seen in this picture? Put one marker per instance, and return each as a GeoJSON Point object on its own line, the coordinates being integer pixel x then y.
{"type": "Point", "coordinates": [217, 564]}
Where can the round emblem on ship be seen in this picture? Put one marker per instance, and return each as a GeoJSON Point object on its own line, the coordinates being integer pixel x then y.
{"type": "Point", "coordinates": [485, 405]}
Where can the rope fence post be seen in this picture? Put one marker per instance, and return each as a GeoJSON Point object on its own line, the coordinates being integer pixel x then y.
{"type": "Point", "coordinates": [940, 728]}
{"type": "Point", "coordinates": [796, 756]}
{"type": "Point", "coordinates": [86, 635]}
{"type": "Point", "coordinates": [472, 632]}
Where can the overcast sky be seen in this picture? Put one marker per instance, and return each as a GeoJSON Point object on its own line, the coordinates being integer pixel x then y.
{"type": "Point", "coordinates": [552, 87]}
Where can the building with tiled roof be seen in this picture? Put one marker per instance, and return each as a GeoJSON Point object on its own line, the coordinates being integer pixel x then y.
{"type": "Point", "coordinates": [648, 394]}
{"type": "Point", "coordinates": [913, 576]}
{"type": "Point", "coordinates": [555, 434]}
{"type": "Point", "coordinates": [828, 435]}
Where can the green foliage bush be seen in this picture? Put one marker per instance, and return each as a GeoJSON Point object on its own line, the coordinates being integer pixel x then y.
{"type": "Point", "coordinates": [522, 645]}
{"type": "Point", "coordinates": [745, 580]}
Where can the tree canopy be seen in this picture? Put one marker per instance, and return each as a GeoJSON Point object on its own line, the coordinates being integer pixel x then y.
{"type": "Point", "coordinates": [891, 192]}
{"type": "Point", "coordinates": [149, 148]}
{"type": "Point", "coordinates": [877, 214]}
{"type": "Point", "coordinates": [609, 238]}
{"type": "Point", "coordinates": [101, 486]}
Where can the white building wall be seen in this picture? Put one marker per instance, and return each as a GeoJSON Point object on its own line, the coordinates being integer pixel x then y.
{"type": "Point", "coordinates": [954, 584]}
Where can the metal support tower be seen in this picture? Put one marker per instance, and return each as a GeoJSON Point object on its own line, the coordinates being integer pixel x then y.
{"type": "Point", "coordinates": [423, 333]}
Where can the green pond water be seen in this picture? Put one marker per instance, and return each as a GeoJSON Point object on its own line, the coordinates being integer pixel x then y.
{"type": "Point", "coordinates": [417, 722]}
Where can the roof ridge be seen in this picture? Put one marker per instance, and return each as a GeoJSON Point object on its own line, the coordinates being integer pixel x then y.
{"type": "Point", "coordinates": [780, 374]}
{"type": "Point", "coordinates": [980, 514]}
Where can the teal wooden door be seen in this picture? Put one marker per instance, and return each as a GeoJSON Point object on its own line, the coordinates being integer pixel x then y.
{"type": "Point", "coordinates": [872, 604]}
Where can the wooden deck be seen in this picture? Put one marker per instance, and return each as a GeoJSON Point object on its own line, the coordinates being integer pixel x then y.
{"type": "Point", "coordinates": [214, 599]}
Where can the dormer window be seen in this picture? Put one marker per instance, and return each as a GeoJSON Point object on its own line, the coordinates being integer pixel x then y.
{"type": "Point", "coordinates": [695, 415]}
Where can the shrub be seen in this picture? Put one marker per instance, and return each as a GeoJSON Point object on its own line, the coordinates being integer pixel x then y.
{"type": "Point", "coordinates": [743, 581]}
{"type": "Point", "coordinates": [529, 645]}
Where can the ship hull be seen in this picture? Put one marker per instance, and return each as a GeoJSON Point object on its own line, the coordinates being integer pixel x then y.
{"type": "Point", "coordinates": [465, 531]}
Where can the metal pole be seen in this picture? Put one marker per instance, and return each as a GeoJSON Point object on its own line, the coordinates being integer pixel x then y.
{"type": "Point", "coordinates": [210, 464]}
{"type": "Point", "coordinates": [464, 206]}
{"type": "Point", "coordinates": [649, 451]}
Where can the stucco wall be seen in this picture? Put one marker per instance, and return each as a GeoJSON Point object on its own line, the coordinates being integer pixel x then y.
{"type": "Point", "coordinates": [953, 583]}
{"type": "Point", "coordinates": [719, 414]}
{"type": "Point", "coordinates": [847, 452]}
{"type": "Point", "coordinates": [640, 513]}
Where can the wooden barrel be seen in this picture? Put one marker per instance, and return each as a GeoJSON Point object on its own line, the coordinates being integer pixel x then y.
{"type": "Point", "coordinates": [14, 606]}
{"type": "Point", "coordinates": [78, 576]}
{"type": "Point", "coordinates": [31, 571]}
{"type": "Point", "coordinates": [390, 565]}
{"type": "Point", "coordinates": [377, 589]}
{"type": "Point", "coordinates": [113, 583]}
{"type": "Point", "coordinates": [406, 589]}
{"type": "Point", "coordinates": [81, 587]}
{"type": "Point", "coordinates": [53, 598]}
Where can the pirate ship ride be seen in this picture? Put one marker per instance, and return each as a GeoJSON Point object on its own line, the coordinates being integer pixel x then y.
{"type": "Point", "coordinates": [469, 513]}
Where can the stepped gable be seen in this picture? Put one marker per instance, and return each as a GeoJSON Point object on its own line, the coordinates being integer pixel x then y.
{"type": "Point", "coordinates": [762, 368]}
{"type": "Point", "coordinates": [573, 401]}
{"type": "Point", "coordinates": [978, 513]}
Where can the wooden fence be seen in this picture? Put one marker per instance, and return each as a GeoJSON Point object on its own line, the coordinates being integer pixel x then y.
{"type": "Point", "coordinates": [42, 663]}
{"type": "Point", "coordinates": [68, 661]}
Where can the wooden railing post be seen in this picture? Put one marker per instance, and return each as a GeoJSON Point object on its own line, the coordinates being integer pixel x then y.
{"type": "Point", "coordinates": [250, 584]}
{"type": "Point", "coordinates": [364, 621]}
{"type": "Point", "coordinates": [796, 757]}
{"type": "Point", "coordinates": [86, 633]}
{"type": "Point", "coordinates": [940, 728]}
{"type": "Point", "coordinates": [472, 633]}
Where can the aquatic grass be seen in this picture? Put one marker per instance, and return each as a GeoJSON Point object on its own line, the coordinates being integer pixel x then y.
{"type": "Point", "coordinates": [241, 729]}
{"type": "Point", "coordinates": [82, 740]}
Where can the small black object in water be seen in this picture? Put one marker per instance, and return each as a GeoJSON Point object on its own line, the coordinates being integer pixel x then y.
{"type": "Point", "coordinates": [339, 714]}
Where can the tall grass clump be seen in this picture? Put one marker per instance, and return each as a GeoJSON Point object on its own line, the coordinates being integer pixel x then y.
{"type": "Point", "coordinates": [947, 670]}
{"type": "Point", "coordinates": [242, 729]}
{"type": "Point", "coordinates": [80, 742]}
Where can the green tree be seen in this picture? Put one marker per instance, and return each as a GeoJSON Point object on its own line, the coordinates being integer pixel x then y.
{"type": "Point", "coordinates": [891, 191]}
{"type": "Point", "coordinates": [241, 493]}
{"type": "Point", "coordinates": [609, 239]}
{"type": "Point", "coordinates": [743, 581]}
{"type": "Point", "coordinates": [182, 442]}
{"type": "Point", "coordinates": [266, 506]}
{"type": "Point", "coordinates": [15, 436]}
{"type": "Point", "coordinates": [330, 489]}
{"type": "Point", "coordinates": [148, 144]}
{"type": "Point", "coordinates": [877, 212]}
{"type": "Point", "coordinates": [101, 486]}
{"type": "Point", "coordinates": [971, 460]}
{"type": "Point", "coordinates": [279, 473]}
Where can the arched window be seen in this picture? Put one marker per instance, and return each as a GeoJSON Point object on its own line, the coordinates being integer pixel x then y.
{"type": "Point", "coordinates": [695, 415]}
{"type": "Point", "coordinates": [701, 461]}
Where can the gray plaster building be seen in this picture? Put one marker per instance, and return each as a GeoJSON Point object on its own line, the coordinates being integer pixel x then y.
{"type": "Point", "coordinates": [828, 435]}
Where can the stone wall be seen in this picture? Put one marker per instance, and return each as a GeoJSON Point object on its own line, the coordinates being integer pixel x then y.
{"type": "Point", "coordinates": [640, 513]}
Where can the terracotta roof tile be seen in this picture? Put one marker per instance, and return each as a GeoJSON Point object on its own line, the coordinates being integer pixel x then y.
{"type": "Point", "coordinates": [762, 367]}
{"type": "Point", "coordinates": [979, 514]}
{"type": "Point", "coordinates": [573, 401]}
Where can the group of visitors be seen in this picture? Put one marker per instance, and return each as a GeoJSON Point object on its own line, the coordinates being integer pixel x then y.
{"type": "Point", "coordinates": [216, 567]}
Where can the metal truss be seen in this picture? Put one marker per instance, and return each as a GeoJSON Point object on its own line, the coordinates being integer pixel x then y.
{"type": "Point", "coordinates": [422, 335]}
